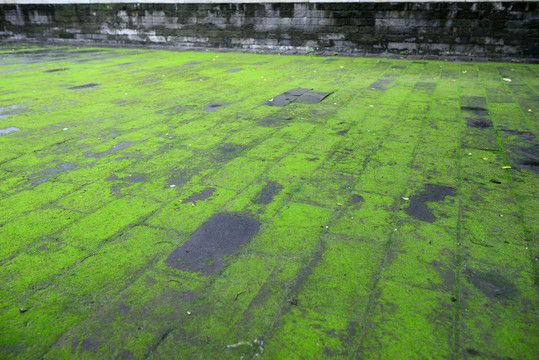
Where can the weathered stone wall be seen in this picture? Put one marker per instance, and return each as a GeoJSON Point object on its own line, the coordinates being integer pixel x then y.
{"type": "Point", "coordinates": [481, 29]}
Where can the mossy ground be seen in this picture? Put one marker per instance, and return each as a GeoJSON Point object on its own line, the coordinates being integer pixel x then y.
{"type": "Point", "coordinates": [95, 188]}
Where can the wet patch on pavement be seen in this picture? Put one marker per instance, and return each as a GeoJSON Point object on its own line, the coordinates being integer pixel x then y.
{"type": "Point", "coordinates": [124, 182]}
{"type": "Point", "coordinates": [206, 249]}
{"type": "Point", "coordinates": [55, 70]}
{"type": "Point", "coordinates": [114, 148]}
{"type": "Point", "coordinates": [432, 193]}
{"type": "Point", "coordinates": [275, 120]}
{"type": "Point", "coordinates": [479, 123]}
{"type": "Point", "coordinates": [81, 87]}
{"type": "Point", "coordinates": [491, 283]}
{"type": "Point", "coordinates": [8, 130]}
{"type": "Point", "coordinates": [268, 193]}
{"type": "Point", "coordinates": [214, 106]}
{"type": "Point", "coordinates": [44, 175]}
{"type": "Point", "coordinates": [203, 195]}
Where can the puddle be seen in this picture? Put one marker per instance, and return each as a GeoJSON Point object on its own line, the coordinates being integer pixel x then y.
{"type": "Point", "coordinates": [219, 237]}
{"type": "Point", "coordinates": [492, 284]}
{"type": "Point", "coordinates": [479, 123]}
{"type": "Point", "coordinates": [268, 192]}
{"type": "Point", "coordinates": [55, 70]}
{"type": "Point", "coordinates": [432, 193]}
{"type": "Point", "coordinates": [234, 70]}
{"type": "Point", "coordinates": [212, 106]}
{"type": "Point", "coordinates": [86, 86]}
{"type": "Point", "coordinates": [98, 155]}
{"type": "Point", "coordinates": [203, 195]}
{"type": "Point", "coordinates": [8, 130]}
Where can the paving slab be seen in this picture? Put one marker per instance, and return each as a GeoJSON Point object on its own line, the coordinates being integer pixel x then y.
{"type": "Point", "coordinates": [153, 206]}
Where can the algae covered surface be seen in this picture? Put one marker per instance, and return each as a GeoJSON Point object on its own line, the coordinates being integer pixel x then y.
{"type": "Point", "coordinates": [178, 205]}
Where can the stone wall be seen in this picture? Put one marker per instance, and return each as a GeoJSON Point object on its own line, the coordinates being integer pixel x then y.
{"type": "Point", "coordinates": [480, 29]}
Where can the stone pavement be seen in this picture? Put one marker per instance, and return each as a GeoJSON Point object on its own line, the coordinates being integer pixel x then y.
{"type": "Point", "coordinates": [174, 205]}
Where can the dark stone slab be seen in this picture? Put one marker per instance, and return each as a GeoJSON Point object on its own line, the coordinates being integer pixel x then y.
{"type": "Point", "coordinates": [312, 97]}
{"type": "Point", "coordinates": [432, 193]}
{"type": "Point", "coordinates": [86, 86]}
{"type": "Point", "coordinates": [297, 91]}
{"type": "Point", "coordinates": [205, 250]}
{"type": "Point", "coordinates": [280, 100]}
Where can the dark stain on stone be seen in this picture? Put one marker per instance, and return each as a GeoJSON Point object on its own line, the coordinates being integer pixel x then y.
{"type": "Point", "coordinates": [381, 84]}
{"type": "Point", "coordinates": [491, 283]}
{"type": "Point", "coordinates": [480, 111]}
{"type": "Point", "coordinates": [355, 199]}
{"type": "Point", "coordinates": [205, 250]}
{"type": "Point", "coordinates": [312, 97]}
{"type": "Point", "coordinates": [55, 70]}
{"type": "Point", "coordinates": [89, 344]}
{"type": "Point", "coordinates": [200, 79]}
{"type": "Point", "coordinates": [275, 120]}
{"type": "Point", "coordinates": [479, 123]}
{"type": "Point", "coordinates": [213, 106]}
{"type": "Point", "coordinates": [203, 195]}
{"type": "Point", "coordinates": [234, 70]}
{"type": "Point", "coordinates": [268, 192]}
{"type": "Point", "coordinates": [125, 355]}
{"type": "Point", "coordinates": [86, 86]}
{"type": "Point", "coordinates": [432, 193]}
{"type": "Point", "coordinates": [425, 87]}
{"type": "Point", "coordinates": [227, 152]}
{"type": "Point", "coordinates": [473, 102]}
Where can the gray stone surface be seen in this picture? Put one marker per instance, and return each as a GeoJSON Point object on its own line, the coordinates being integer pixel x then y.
{"type": "Point", "coordinates": [480, 29]}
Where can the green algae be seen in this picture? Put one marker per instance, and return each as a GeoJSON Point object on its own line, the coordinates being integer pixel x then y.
{"type": "Point", "coordinates": [337, 269]}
